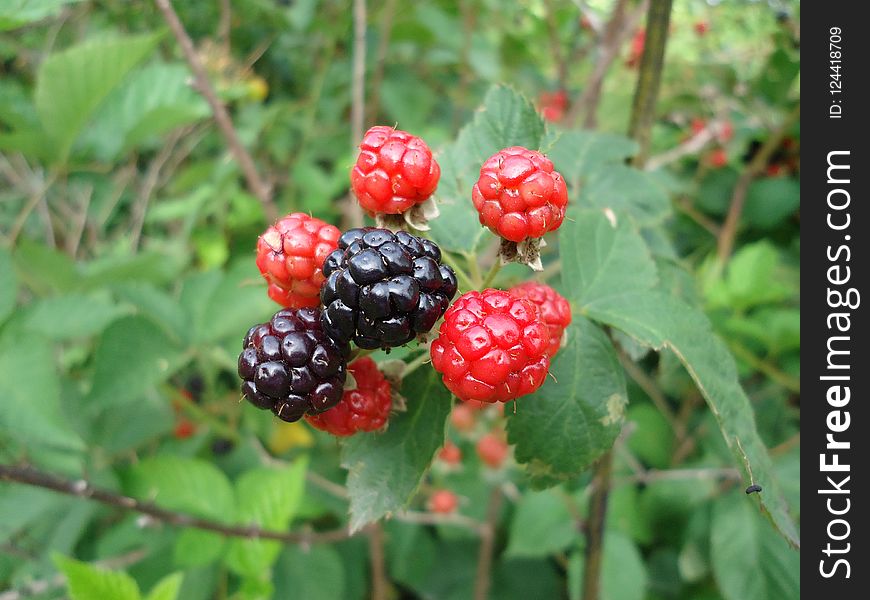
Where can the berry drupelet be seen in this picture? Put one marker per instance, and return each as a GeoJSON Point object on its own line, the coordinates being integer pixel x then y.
{"type": "Point", "coordinates": [384, 288]}
{"type": "Point", "coordinates": [291, 366]}
{"type": "Point", "coordinates": [554, 309]}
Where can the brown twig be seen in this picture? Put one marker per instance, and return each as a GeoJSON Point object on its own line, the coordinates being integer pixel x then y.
{"type": "Point", "coordinates": [487, 544]}
{"type": "Point", "coordinates": [387, 14]}
{"type": "Point", "coordinates": [595, 528]}
{"type": "Point", "coordinates": [650, 76]}
{"type": "Point", "coordinates": [256, 184]}
{"type": "Point", "coordinates": [376, 560]}
{"type": "Point", "coordinates": [149, 183]}
{"type": "Point", "coordinates": [648, 385]}
{"type": "Point", "coordinates": [556, 45]}
{"type": "Point", "coordinates": [83, 489]}
{"type": "Point", "coordinates": [619, 28]}
{"type": "Point", "coordinates": [725, 243]}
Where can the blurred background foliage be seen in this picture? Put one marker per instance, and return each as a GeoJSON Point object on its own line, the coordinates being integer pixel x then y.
{"type": "Point", "coordinates": [127, 279]}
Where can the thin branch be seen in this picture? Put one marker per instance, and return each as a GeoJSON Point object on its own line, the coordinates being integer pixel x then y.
{"type": "Point", "coordinates": [654, 475]}
{"type": "Point", "coordinates": [619, 28]}
{"type": "Point", "coordinates": [556, 45]}
{"type": "Point", "coordinates": [650, 76]}
{"type": "Point", "coordinates": [487, 544]}
{"type": "Point", "coordinates": [83, 489]}
{"type": "Point", "coordinates": [729, 228]}
{"type": "Point", "coordinates": [387, 14]}
{"type": "Point", "coordinates": [149, 183]}
{"type": "Point", "coordinates": [429, 518]}
{"type": "Point", "coordinates": [595, 527]}
{"type": "Point", "coordinates": [256, 184]}
{"type": "Point", "coordinates": [648, 385]}
{"type": "Point", "coordinates": [691, 146]}
{"type": "Point", "coordinates": [377, 563]}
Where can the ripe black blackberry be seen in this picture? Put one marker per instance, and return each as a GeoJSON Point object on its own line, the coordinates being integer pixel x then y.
{"type": "Point", "coordinates": [384, 288]}
{"type": "Point", "coordinates": [291, 366]}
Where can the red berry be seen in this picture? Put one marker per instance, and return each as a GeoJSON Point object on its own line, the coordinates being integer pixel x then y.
{"type": "Point", "coordinates": [519, 195]}
{"type": "Point", "coordinates": [701, 27]}
{"type": "Point", "coordinates": [443, 501]}
{"type": "Point", "coordinates": [718, 158]}
{"type": "Point", "coordinates": [290, 256]}
{"type": "Point", "coordinates": [555, 310]}
{"type": "Point", "coordinates": [184, 429]}
{"type": "Point", "coordinates": [726, 132]}
{"type": "Point", "coordinates": [636, 52]}
{"type": "Point", "coordinates": [553, 105]}
{"type": "Point", "coordinates": [450, 453]}
{"type": "Point", "coordinates": [492, 450]}
{"type": "Point", "coordinates": [697, 125]}
{"type": "Point", "coordinates": [492, 347]}
{"type": "Point", "coordinates": [774, 170]}
{"type": "Point", "coordinates": [462, 417]}
{"type": "Point", "coordinates": [394, 171]}
{"type": "Point", "coordinates": [365, 408]}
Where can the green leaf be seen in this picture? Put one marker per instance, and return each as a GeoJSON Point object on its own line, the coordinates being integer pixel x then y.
{"type": "Point", "coordinates": [32, 413]}
{"type": "Point", "coordinates": [541, 525]}
{"type": "Point", "coordinates": [167, 588]}
{"type": "Point", "coordinates": [770, 201]}
{"type": "Point", "coordinates": [195, 547]}
{"type": "Point", "coordinates": [505, 119]}
{"type": "Point", "coordinates": [8, 285]}
{"type": "Point", "coordinates": [15, 13]}
{"type": "Point", "coordinates": [614, 283]}
{"type": "Point", "coordinates": [82, 315]}
{"type": "Point", "coordinates": [184, 484]}
{"type": "Point", "coordinates": [268, 497]}
{"type": "Point", "coordinates": [652, 440]}
{"type": "Point", "coordinates": [315, 573]}
{"type": "Point", "coordinates": [133, 355]}
{"type": "Point", "coordinates": [579, 154]}
{"type": "Point", "coordinates": [385, 469]}
{"type": "Point", "coordinates": [234, 304]}
{"type": "Point", "coordinates": [72, 84]}
{"type": "Point", "coordinates": [742, 543]}
{"type": "Point", "coordinates": [154, 100]}
{"type": "Point", "coordinates": [600, 260]}
{"type": "Point", "coordinates": [565, 426]}
{"type": "Point", "coordinates": [45, 269]}
{"type": "Point", "coordinates": [88, 582]}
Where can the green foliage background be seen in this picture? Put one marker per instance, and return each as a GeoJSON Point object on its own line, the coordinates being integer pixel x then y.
{"type": "Point", "coordinates": [127, 281]}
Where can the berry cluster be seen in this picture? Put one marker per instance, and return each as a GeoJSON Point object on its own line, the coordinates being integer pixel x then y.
{"type": "Point", "coordinates": [384, 288]}
{"type": "Point", "coordinates": [381, 289]}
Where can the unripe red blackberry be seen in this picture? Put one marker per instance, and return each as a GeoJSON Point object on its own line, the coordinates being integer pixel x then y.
{"type": "Point", "coordinates": [290, 257]}
{"type": "Point", "coordinates": [518, 195]}
{"type": "Point", "coordinates": [365, 408]}
{"type": "Point", "coordinates": [555, 309]}
{"type": "Point", "coordinates": [291, 366]}
{"type": "Point", "coordinates": [491, 347]}
{"type": "Point", "coordinates": [394, 171]}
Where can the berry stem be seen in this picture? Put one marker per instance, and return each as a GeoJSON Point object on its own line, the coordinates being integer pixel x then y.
{"type": "Point", "coordinates": [467, 282]}
{"type": "Point", "coordinates": [490, 275]}
{"type": "Point", "coordinates": [412, 366]}
{"type": "Point", "coordinates": [474, 269]}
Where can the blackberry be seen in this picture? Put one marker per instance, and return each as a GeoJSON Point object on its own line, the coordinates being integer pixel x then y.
{"type": "Point", "coordinates": [291, 366]}
{"type": "Point", "coordinates": [383, 289]}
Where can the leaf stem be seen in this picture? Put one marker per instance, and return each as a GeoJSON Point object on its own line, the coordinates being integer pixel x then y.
{"type": "Point", "coordinates": [465, 281]}
{"type": "Point", "coordinates": [487, 543]}
{"type": "Point", "coordinates": [491, 274]}
{"type": "Point", "coordinates": [411, 366]}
